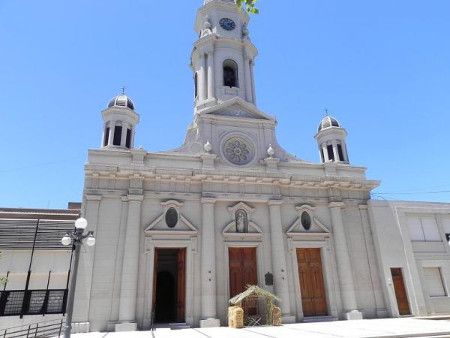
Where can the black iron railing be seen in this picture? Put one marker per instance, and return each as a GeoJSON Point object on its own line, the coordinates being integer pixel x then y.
{"type": "Point", "coordinates": [32, 302]}
{"type": "Point", "coordinates": [43, 329]}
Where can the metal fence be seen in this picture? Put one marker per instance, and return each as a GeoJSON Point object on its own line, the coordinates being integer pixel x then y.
{"type": "Point", "coordinates": [52, 328]}
{"type": "Point", "coordinates": [32, 302]}
{"type": "Point", "coordinates": [16, 234]}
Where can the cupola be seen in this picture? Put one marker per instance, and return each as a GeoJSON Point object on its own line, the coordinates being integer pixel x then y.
{"type": "Point", "coordinates": [331, 141]}
{"type": "Point", "coordinates": [120, 123]}
{"type": "Point", "coordinates": [121, 101]}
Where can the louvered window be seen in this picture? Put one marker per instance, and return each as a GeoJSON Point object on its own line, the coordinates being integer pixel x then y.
{"type": "Point", "coordinates": [434, 283]}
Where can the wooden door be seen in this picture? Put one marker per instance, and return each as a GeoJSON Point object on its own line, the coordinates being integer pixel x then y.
{"type": "Point", "coordinates": [181, 285]}
{"type": "Point", "coordinates": [400, 291]}
{"type": "Point", "coordinates": [242, 269]}
{"type": "Point", "coordinates": [312, 286]}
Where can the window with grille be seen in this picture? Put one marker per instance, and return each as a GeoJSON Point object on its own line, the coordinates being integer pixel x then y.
{"type": "Point", "coordinates": [32, 302]}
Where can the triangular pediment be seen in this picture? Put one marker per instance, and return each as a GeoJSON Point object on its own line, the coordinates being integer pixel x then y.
{"type": "Point", "coordinates": [159, 227]}
{"type": "Point", "coordinates": [317, 228]}
{"type": "Point", "coordinates": [254, 231]}
{"type": "Point", "coordinates": [237, 108]}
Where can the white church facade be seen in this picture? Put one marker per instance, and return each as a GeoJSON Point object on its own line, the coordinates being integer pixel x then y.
{"type": "Point", "coordinates": [180, 232]}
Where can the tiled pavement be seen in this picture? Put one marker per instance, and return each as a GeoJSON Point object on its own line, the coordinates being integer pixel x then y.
{"type": "Point", "coordinates": [394, 327]}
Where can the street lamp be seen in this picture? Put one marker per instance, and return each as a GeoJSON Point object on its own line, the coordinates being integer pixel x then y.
{"type": "Point", "coordinates": [76, 238]}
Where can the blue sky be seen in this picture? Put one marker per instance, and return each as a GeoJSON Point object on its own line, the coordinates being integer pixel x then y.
{"type": "Point", "coordinates": [381, 67]}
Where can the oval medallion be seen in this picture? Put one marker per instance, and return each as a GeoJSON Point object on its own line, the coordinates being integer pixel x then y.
{"type": "Point", "coordinates": [171, 217]}
{"type": "Point", "coordinates": [306, 220]}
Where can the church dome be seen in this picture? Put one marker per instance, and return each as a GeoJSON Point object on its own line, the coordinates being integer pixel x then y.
{"type": "Point", "coordinates": [121, 101]}
{"type": "Point", "coordinates": [328, 122]}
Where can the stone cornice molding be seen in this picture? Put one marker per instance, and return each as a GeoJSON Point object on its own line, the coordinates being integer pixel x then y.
{"type": "Point", "coordinates": [336, 204]}
{"type": "Point", "coordinates": [137, 198]}
{"type": "Point", "coordinates": [275, 202]}
{"type": "Point", "coordinates": [92, 197]}
{"type": "Point", "coordinates": [208, 200]}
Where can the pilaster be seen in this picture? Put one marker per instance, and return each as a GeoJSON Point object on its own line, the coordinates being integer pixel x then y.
{"type": "Point", "coordinates": [381, 310]}
{"type": "Point", "coordinates": [279, 260]}
{"type": "Point", "coordinates": [130, 267]}
{"type": "Point", "coordinates": [208, 265]}
{"type": "Point", "coordinates": [343, 263]}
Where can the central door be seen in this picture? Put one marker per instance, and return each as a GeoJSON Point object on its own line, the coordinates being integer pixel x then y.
{"type": "Point", "coordinates": [312, 285]}
{"type": "Point", "coordinates": [242, 269]}
{"type": "Point", "coordinates": [169, 285]}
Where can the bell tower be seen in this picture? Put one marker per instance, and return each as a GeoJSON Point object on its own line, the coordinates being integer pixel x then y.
{"type": "Point", "coordinates": [223, 57]}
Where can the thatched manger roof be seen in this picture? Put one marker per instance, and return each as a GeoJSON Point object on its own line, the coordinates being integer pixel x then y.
{"type": "Point", "coordinates": [253, 290]}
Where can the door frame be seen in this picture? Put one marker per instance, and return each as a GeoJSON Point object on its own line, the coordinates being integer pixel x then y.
{"type": "Point", "coordinates": [402, 274]}
{"type": "Point", "coordinates": [155, 280]}
{"type": "Point", "coordinates": [309, 277]}
{"type": "Point", "coordinates": [329, 273]}
{"type": "Point", "coordinates": [150, 248]}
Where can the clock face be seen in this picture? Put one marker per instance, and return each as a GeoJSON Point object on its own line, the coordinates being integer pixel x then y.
{"type": "Point", "coordinates": [227, 24]}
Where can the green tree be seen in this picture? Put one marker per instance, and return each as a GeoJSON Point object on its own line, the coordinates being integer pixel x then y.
{"type": "Point", "coordinates": [249, 5]}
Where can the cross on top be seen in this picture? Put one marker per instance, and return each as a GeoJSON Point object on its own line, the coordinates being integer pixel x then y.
{"type": "Point", "coordinates": [123, 90]}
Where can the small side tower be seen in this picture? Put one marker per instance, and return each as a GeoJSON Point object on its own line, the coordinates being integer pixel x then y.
{"type": "Point", "coordinates": [120, 123]}
{"type": "Point", "coordinates": [331, 140]}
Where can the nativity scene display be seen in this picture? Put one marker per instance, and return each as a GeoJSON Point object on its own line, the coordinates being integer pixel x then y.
{"type": "Point", "coordinates": [253, 307]}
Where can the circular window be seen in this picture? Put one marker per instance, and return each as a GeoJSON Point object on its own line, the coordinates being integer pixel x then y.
{"type": "Point", "coordinates": [306, 220]}
{"type": "Point", "coordinates": [237, 150]}
{"type": "Point", "coordinates": [171, 217]}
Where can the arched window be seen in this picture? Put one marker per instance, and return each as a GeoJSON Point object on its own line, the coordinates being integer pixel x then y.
{"type": "Point", "coordinates": [196, 85]}
{"type": "Point", "coordinates": [230, 73]}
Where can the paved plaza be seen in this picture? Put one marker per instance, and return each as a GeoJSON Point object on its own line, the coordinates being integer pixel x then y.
{"type": "Point", "coordinates": [403, 327]}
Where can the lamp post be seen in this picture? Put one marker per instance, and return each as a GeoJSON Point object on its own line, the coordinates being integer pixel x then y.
{"type": "Point", "coordinates": [76, 238]}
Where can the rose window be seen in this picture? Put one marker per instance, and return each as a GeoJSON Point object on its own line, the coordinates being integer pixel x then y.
{"type": "Point", "coordinates": [238, 151]}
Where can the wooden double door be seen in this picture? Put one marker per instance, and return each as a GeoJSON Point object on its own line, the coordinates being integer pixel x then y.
{"type": "Point", "coordinates": [242, 269]}
{"type": "Point", "coordinates": [312, 286]}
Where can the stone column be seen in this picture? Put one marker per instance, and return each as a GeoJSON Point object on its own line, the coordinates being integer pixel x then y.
{"type": "Point", "coordinates": [208, 265]}
{"type": "Point", "coordinates": [252, 65]}
{"type": "Point", "coordinates": [202, 79]}
{"type": "Point", "coordinates": [279, 259]}
{"type": "Point", "coordinates": [344, 266]}
{"type": "Point", "coordinates": [112, 127]}
{"type": "Point", "coordinates": [132, 138]}
{"type": "Point", "coordinates": [335, 152]}
{"type": "Point", "coordinates": [344, 150]}
{"type": "Point", "coordinates": [211, 80]}
{"type": "Point", "coordinates": [123, 138]}
{"type": "Point", "coordinates": [130, 266]}
{"type": "Point", "coordinates": [248, 80]}
{"type": "Point", "coordinates": [102, 144]}
{"type": "Point", "coordinates": [325, 153]}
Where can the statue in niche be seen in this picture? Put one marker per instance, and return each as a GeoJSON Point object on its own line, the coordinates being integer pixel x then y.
{"type": "Point", "coordinates": [206, 27]}
{"type": "Point", "coordinates": [241, 221]}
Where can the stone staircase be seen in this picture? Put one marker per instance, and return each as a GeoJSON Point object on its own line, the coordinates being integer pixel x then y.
{"type": "Point", "coordinates": [319, 319]}
{"type": "Point", "coordinates": [172, 326]}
